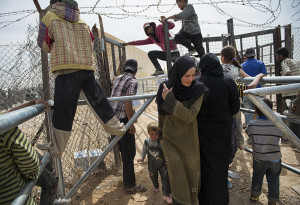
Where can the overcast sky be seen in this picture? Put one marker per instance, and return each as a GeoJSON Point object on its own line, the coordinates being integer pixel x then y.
{"type": "Point", "coordinates": [211, 20]}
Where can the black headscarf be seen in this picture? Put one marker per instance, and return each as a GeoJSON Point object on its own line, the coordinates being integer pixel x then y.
{"type": "Point", "coordinates": [210, 65]}
{"type": "Point", "coordinates": [181, 92]}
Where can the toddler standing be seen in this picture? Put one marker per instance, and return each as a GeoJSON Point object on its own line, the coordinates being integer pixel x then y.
{"type": "Point", "coordinates": [156, 161]}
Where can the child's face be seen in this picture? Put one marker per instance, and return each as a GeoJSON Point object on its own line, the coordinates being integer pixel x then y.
{"type": "Point", "coordinates": [181, 4]}
{"type": "Point", "coordinates": [279, 57]}
{"type": "Point", "coordinates": [153, 135]}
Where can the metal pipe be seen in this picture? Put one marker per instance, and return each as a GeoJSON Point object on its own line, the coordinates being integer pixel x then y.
{"type": "Point", "coordinates": [277, 79]}
{"type": "Point", "coordinates": [150, 116]}
{"type": "Point", "coordinates": [283, 117]}
{"type": "Point", "coordinates": [60, 177]}
{"type": "Point", "coordinates": [292, 88]}
{"type": "Point", "coordinates": [153, 77]}
{"type": "Point", "coordinates": [58, 166]}
{"type": "Point", "coordinates": [131, 97]}
{"type": "Point", "coordinates": [288, 167]}
{"type": "Point", "coordinates": [26, 190]}
{"type": "Point", "coordinates": [14, 118]}
{"type": "Point", "coordinates": [108, 149]}
{"type": "Point", "coordinates": [124, 98]}
{"type": "Point", "coordinates": [259, 103]}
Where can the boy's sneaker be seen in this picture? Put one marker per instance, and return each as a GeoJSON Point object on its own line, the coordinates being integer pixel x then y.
{"type": "Point", "coordinates": [229, 185]}
{"type": "Point", "coordinates": [158, 72]}
{"type": "Point", "coordinates": [254, 199]}
{"type": "Point", "coordinates": [155, 189]}
{"type": "Point", "coordinates": [191, 52]}
{"type": "Point", "coordinates": [168, 199]}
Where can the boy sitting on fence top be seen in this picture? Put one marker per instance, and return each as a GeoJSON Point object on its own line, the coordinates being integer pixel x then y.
{"type": "Point", "coordinates": [69, 41]}
{"type": "Point", "coordinates": [190, 30]}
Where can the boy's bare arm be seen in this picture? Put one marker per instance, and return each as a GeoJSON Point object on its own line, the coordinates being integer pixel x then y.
{"type": "Point", "coordinates": [29, 103]}
{"type": "Point", "coordinates": [256, 80]}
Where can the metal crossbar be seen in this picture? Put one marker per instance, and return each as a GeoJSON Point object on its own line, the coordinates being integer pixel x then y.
{"type": "Point", "coordinates": [109, 147]}
{"type": "Point", "coordinates": [277, 79]}
{"type": "Point", "coordinates": [13, 119]}
{"type": "Point", "coordinates": [264, 108]}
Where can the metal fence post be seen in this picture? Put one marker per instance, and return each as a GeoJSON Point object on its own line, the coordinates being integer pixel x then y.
{"type": "Point", "coordinates": [231, 32]}
{"type": "Point", "coordinates": [58, 166]}
{"type": "Point", "coordinates": [277, 44]}
{"type": "Point", "coordinates": [167, 46]}
{"type": "Point", "coordinates": [107, 88]}
{"type": "Point", "coordinates": [288, 39]}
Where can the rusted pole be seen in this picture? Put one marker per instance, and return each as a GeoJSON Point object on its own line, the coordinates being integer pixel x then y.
{"type": "Point", "coordinates": [288, 39]}
{"type": "Point", "coordinates": [45, 68]}
{"type": "Point", "coordinates": [231, 32]}
{"type": "Point", "coordinates": [277, 44]}
{"type": "Point", "coordinates": [167, 46]}
{"type": "Point", "coordinates": [105, 56]}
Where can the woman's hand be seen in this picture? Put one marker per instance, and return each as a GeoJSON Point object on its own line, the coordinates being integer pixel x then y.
{"type": "Point", "coordinates": [165, 91]}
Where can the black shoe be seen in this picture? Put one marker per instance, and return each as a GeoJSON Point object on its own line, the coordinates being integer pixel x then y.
{"type": "Point", "coordinates": [158, 72]}
{"type": "Point", "coordinates": [191, 52]}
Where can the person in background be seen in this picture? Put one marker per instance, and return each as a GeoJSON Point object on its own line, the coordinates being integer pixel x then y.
{"type": "Point", "coordinates": [233, 70]}
{"type": "Point", "coordinates": [156, 36]}
{"type": "Point", "coordinates": [190, 31]}
{"type": "Point", "coordinates": [289, 68]}
{"type": "Point", "coordinates": [265, 137]}
{"type": "Point", "coordinates": [126, 85]}
{"type": "Point", "coordinates": [178, 102]}
{"type": "Point", "coordinates": [252, 67]}
{"type": "Point", "coordinates": [156, 161]}
{"type": "Point", "coordinates": [69, 41]}
{"type": "Point", "coordinates": [19, 163]}
{"type": "Point", "coordinates": [214, 130]}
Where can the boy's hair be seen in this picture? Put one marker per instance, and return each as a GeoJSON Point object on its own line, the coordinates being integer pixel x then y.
{"type": "Point", "coordinates": [54, 1]}
{"type": "Point", "coordinates": [153, 126]}
{"type": "Point", "coordinates": [283, 51]}
{"type": "Point", "coordinates": [229, 54]}
{"type": "Point", "coordinates": [186, 1]}
{"type": "Point", "coordinates": [268, 102]}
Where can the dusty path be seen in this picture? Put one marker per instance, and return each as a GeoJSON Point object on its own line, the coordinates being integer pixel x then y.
{"type": "Point", "coordinates": [103, 190]}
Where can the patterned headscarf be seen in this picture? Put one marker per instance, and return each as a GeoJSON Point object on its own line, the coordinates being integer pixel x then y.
{"type": "Point", "coordinates": [71, 3]}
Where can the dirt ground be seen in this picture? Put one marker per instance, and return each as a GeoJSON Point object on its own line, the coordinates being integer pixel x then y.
{"type": "Point", "coordinates": [107, 190]}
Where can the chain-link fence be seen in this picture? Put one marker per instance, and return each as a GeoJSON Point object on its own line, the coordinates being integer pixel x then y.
{"type": "Point", "coordinates": [21, 80]}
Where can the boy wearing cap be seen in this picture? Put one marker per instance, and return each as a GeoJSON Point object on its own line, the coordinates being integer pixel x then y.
{"type": "Point", "coordinates": [126, 85]}
{"type": "Point", "coordinates": [156, 36]}
{"type": "Point", "coordinates": [252, 67]}
{"type": "Point", "coordinates": [69, 41]}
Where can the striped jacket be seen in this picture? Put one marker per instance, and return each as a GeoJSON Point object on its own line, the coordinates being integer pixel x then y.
{"type": "Point", "coordinates": [265, 138]}
{"type": "Point", "coordinates": [19, 163]}
{"type": "Point", "coordinates": [69, 40]}
{"type": "Point", "coordinates": [289, 65]}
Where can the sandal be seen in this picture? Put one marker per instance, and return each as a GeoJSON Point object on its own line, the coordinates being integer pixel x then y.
{"type": "Point", "coordinates": [137, 188]}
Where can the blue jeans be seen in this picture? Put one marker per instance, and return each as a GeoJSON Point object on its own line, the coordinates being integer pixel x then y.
{"type": "Point", "coordinates": [272, 171]}
{"type": "Point", "coordinates": [247, 103]}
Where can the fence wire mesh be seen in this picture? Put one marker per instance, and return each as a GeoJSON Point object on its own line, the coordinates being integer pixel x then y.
{"type": "Point", "coordinates": [21, 80]}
